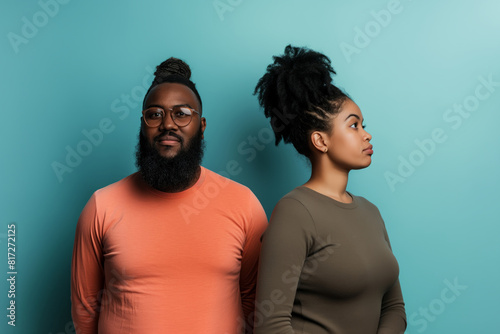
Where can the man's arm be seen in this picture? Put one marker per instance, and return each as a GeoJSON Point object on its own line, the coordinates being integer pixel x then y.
{"type": "Point", "coordinates": [250, 260]}
{"type": "Point", "coordinates": [87, 277]}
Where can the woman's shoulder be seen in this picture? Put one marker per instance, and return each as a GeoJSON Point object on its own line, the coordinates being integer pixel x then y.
{"type": "Point", "coordinates": [314, 201]}
{"type": "Point", "coordinates": [363, 202]}
{"type": "Point", "coordinates": [292, 214]}
{"type": "Point", "coordinates": [303, 193]}
{"type": "Point", "coordinates": [296, 196]}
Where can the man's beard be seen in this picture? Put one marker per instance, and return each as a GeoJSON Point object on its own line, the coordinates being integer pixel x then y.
{"type": "Point", "coordinates": [170, 174]}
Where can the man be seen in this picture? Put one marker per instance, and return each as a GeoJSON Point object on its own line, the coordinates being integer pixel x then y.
{"type": "Point", "coordinates": [174, 247]}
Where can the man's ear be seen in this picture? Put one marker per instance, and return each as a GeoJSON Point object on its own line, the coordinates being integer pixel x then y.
{"type": "Point", "coordinates": [143, 127]}
{"type": "Point", "coordinates": [203, 126]}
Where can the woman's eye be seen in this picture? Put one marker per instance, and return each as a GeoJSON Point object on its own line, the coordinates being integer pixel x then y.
{"type": "Point", "coordinates": [354, 125]}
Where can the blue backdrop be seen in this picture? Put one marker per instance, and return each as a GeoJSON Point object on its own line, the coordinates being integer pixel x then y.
{"type": "Point", "coordinates": [425, 74]}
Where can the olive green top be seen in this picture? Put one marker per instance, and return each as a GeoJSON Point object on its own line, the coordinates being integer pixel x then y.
{"type": "Point", "coordinates": [327, 267]}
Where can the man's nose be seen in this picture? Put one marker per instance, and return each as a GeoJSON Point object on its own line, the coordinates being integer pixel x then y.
{"type": "Point", "coordinates": [167, 122]}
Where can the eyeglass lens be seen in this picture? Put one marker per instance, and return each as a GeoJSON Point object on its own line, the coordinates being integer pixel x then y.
{"type": "Point", "coordinates": [180, 115]}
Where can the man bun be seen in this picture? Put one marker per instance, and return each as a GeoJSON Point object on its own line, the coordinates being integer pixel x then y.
{"type": "Point", "coordinates": [173, 66]}
{"type": "Point", "coordinates": [173, 70]}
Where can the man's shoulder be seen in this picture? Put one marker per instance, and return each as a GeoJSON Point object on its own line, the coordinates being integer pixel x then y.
{"type": "Point", "coordinates": [224, 185]}
{"type": "Point", "coordinates": [233, 197]}
{"type": "Point", "coordinates": [119, 187]}
{"type": "Point", "coordinates": [224, 181]}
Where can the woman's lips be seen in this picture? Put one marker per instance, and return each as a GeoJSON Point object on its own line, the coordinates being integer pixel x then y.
{"type": "Point", "coordinates": [369, 150]}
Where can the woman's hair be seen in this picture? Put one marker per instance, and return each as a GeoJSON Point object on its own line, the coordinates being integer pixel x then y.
{"type": "Point", "coordinates": [173, 70]}
{"type": "Point", "coordinates": [298, 96]}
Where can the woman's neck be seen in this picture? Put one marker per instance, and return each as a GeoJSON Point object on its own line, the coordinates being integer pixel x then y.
{"type": "Point", "coordinates": [329, 181]}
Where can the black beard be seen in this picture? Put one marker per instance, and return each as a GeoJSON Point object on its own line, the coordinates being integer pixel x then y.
{"type": "Point", "coordinates": [170, 174]}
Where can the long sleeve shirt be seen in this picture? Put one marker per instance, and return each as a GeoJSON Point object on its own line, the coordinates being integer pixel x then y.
{"type": "Point", "coordinates": [327, 268]}
{"type": "Point", "coordinates": [145, 261]}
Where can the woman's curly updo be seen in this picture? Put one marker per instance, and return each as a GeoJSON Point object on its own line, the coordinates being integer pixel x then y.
{"type": "Point", "coordinates": [298, 96]}
{"type": "Point", "coordinates": [173, 70]}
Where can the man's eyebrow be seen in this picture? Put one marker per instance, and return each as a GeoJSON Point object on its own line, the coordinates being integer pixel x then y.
{"type": "Point", "coordinates": [183, 105]}
{"type": "Point", "coordinates": [153, 105]}
{"type": "Point", "coordinates": [161, 107]}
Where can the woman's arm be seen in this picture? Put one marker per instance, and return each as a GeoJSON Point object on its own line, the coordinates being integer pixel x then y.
{"type": "Point", "coordinates": [393, 315]}
{"type": "Point", "coordinates": [285, 246]}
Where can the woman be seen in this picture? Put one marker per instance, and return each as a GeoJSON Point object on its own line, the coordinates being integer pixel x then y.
{"type": "Point", "coordinates": [326, 262]}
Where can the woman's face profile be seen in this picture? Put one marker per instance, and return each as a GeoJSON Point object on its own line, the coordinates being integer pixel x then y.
{"type": "Point", "coordinates": [349, 144]}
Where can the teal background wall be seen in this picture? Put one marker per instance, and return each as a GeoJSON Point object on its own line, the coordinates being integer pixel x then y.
{"type": "Point", "coordinates": [426, 75]}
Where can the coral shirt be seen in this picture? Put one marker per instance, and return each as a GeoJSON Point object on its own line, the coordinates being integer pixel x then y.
{"type": "Point", "coordinates": [145, 261]}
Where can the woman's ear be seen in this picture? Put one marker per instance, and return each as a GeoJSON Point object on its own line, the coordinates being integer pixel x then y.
{"type": "Point", "coordinates": [319, 141]}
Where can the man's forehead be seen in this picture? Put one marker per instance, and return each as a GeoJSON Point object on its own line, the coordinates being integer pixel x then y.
{"type": "Point", "coordinates": [174, 92]}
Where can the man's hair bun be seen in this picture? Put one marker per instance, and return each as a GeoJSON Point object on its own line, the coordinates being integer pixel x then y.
{"type": "Point", "coordinates": [173, 70]}
{"type": "Point", "coordinates": [173, 66]}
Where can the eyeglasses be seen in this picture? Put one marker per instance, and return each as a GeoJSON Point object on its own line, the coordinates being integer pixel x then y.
{"type": "Point", "coordinates": [181, 115]}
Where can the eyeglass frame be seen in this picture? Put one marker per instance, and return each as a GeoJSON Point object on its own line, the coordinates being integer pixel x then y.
{"type": "Point", "coordinates": [164, 111]}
